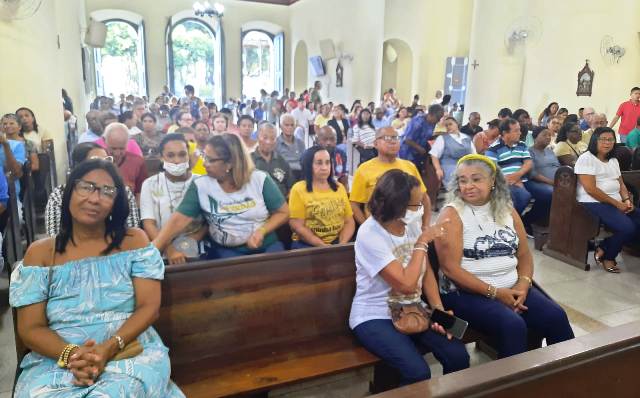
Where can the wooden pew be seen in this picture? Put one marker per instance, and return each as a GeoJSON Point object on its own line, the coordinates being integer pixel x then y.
{"type": "Point", "coordinates": [571, 226]}
{"type": "Point", "coordinates": [601, 364]}
{"type": "Point", "coordinates": [13, 236]}
{"type": "Point", "coordinates": [251, 324]}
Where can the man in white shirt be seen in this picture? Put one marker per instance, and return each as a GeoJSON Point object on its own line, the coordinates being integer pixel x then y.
{"type": "Point", "coordinates": [302, 116]}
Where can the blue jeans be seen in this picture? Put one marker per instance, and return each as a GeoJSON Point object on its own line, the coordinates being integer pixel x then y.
{"type": "Point", "coordinates": [381, 338]}
{"type": "Point", "coordinates": [542, 193]}
{"type": "Point", "coordinates": [625, 227]}
{"type": "Point", "coordinates": [218, 252]}
{"type": "Point", "coordinates": [505, 327]}
{"type": "Point", "coordinates": [520, 197]}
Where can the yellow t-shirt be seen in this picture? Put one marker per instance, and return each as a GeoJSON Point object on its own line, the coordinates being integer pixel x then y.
{"type": "Point", "coordinates": [323, 212]}
{"type": "Point", "coordinates": [321, 121]}
{"type": "Point", "coordinates": [367, 174]}
{"type": "Point", "coordinates": [197, 168]}
{"type": "Point", "coordinates": [566, 148]}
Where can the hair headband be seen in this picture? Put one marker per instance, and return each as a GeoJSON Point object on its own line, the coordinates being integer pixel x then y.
{"type": "Point", "coordinates": [475, 156]}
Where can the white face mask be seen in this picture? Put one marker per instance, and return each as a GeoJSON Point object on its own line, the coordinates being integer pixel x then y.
{"type": "Point", "coordinates": [176, 170]}
{"type": "Point", "coordinates": [412, 216]}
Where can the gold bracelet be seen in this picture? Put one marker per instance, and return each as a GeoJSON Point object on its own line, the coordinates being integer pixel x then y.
{"type": "Point", "coordinates": [492, 292]}
{"type": "Point", "coordinates": [63, 359]}
{"type": "Point", "coordinates": [263, 230]}
{"type": "Point", "coordinates": [526, 278]}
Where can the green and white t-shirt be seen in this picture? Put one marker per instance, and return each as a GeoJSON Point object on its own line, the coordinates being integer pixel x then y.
{"type": "Point", "coordinates": [233, 217]}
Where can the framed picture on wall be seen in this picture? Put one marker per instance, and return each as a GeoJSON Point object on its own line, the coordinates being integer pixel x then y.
{"type": "Point", "coordinates": [339, 74]}
{"type": "Point", "coordinates": [585, 81]}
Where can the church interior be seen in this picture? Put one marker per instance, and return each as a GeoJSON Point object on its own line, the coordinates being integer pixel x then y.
{"type": "Point", "coordinates": [445, 83]}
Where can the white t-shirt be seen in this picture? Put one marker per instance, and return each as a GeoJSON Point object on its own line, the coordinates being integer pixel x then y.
{"type": "Point", "coordinates": [302, 118]}
{"type": "Point", "coordinates": [134, 130]}
{"type": "Point", "coordinates": [438, 146]}
{"type": "Point", "coordinates": [160, 198]}
{"type": "Point", "coordinates": [376, 248]}
{"type": "Point", "coordinates": [606, 174]}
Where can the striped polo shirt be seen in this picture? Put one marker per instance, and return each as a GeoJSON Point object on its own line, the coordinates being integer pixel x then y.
{"type": "Point", "coordinates": [509, 158]}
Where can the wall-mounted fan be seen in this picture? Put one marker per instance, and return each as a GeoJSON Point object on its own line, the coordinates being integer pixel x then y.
{"type": "Point", "coordinates": [18, 9]}
{"type": "Point", "coordinates": [610, 51]}
{"type": "Point", "coordinates": [523, 31]}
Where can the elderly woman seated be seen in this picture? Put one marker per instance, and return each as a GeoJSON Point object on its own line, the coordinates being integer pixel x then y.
{"type": "Point", "coordinates": [242, 205]}
{"type": "Point", "coordinates": [485, 264]}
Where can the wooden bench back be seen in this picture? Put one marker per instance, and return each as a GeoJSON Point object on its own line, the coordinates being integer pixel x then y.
{"type": "Point", "coordinates": [569, 369]}
{"type": "Point", "coordinates": [571, 226]}
{"type": "Point", "coordinates": [153, 164]}
{"type": "Point", "coordinates": [230, 308]}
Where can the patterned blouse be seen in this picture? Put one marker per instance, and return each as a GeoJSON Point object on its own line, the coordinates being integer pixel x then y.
{"type": "Point", "coordinates": [53, 211]}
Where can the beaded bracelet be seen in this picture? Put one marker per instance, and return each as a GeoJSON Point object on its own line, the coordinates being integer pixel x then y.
{"type": "Point", "coordinates": [63, 360]}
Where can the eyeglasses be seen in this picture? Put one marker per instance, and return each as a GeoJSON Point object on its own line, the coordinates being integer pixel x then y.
{"type": "Point", "coordinates": [390, 138]}
{"type": "Point", "coordinates": [607, 140]}
{"type": "Point", "coordinates": [86, 188]}
{"type": "Point", "coordinates": [417, 207]}
{"type": "Point", "coordinates": [208, 160]}
{"type": "Point", "coordinates": [106, 158]}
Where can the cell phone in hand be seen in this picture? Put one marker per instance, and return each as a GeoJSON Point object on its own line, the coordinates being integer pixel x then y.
{"type": "Point", "coordinates": [452, 324]}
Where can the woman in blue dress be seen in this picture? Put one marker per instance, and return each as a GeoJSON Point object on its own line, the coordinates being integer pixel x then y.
{"type": "Point", "coordinates": [86, 300]}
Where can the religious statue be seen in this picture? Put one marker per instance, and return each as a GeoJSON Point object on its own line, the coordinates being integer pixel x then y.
{"type": "Point", "coordinates": [339, 74]}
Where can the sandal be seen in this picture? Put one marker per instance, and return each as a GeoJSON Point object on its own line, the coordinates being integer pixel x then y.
{"type": "Point", "coordinates": [614, 269]}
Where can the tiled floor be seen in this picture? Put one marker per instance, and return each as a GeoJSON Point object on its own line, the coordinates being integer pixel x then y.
{"type": "Point", "coordinates": [593, 300]}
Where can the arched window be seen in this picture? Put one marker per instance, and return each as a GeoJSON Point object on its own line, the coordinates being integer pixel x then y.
{"type": "Point", "coordinates": [193, 53]}
{"type": "Point", "coordinates": [120, 64]}
{"type": "Point", "coordinates": [262, 60]}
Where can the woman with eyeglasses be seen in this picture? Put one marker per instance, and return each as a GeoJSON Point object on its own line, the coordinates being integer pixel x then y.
{"type": "Point", "coordinates": [243, 206]}
{"type": "Point", "coordinates": [486, 268]}
{"type": "Point", "coordinates": [321, 213]}
{"type": "Point", "coordinates": [86, 299]}
{"type": "Point", "coordinates": [602, 191]}
{"type": "Point", "coordinates": [161, 195]}
{"type": "Point", "coordinates": [53, 211]}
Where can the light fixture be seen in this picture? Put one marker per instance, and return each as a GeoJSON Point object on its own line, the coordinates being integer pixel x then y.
{"type": "Point", "coordinates": [206, 9]}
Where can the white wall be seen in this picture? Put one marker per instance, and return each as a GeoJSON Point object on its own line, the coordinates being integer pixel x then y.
{"type": "Point", "coordinates": [357, 26]}
{"type": "Point", "coordinates": [33, 69]}
{"type": "Point", "coordinates": [157, 13]}
{"type": "Point", "coordinates": [434, 30]}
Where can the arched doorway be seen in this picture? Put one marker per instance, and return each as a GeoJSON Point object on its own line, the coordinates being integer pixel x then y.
{"type": "Point", "coordinates": [300, 68]}
{"type": "Point", "coordinates": [397, 69]}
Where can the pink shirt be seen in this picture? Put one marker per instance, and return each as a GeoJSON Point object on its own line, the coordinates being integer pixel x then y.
{"type": "Point", "coordinates": [629, 114]}
{"type": "Point", "coordinates": [132, 146]}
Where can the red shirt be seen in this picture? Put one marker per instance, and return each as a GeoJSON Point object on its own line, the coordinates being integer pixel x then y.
{"type": "Point", "coordinates": [133, 171]}
{"type": "Point", "coordinates": [629, 114]}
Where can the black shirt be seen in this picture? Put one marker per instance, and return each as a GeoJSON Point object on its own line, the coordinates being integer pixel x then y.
{"type": "Point", "coordinates": [470, 131]}
{"type": "Point", "coordinates": [277, 168]}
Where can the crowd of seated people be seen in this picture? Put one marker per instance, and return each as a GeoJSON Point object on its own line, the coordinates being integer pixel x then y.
{"type": "Point", "coordinates": [232, 178]}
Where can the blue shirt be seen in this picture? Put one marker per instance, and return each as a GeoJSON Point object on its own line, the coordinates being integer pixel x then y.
{"type": "Point", "coordinates": [378, 124]}
{"type": "Point", "coordinates": [584, 125]}
{"type": "Point", "coordinates": [509, 159]}
{"type": "Point", "coordinates": [20, 153]}
{"type": "Point", "coordinates": [88, 136]}
{"type": "Point", "coordinates": [4, 189]}
{"type": "Point", "coordinates": [419, 131]}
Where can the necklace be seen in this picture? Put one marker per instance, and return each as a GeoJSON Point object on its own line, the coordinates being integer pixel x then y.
{"type": "Point", "coordinates": [477, 221]}
{"type": "Point", "coordinates": [182, 189]}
